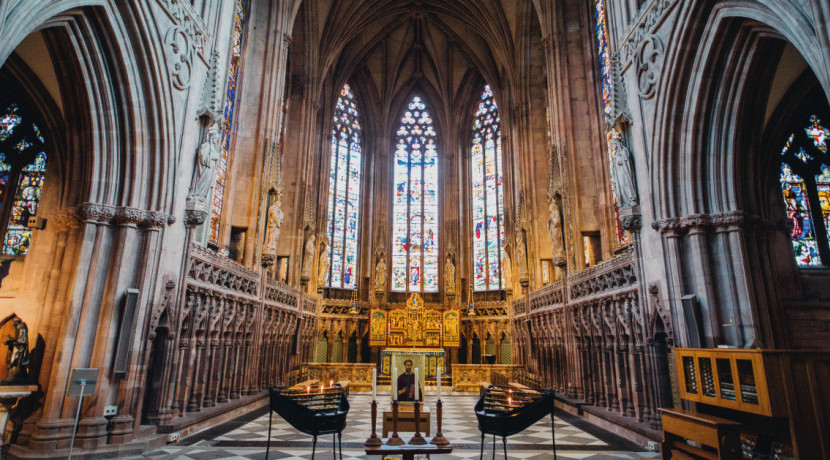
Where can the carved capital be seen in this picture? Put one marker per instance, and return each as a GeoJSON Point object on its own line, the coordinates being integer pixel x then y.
{"type": "Point", "coordinates": [154, 219]}
{"type": "Point", "coordinates": [65, 218]}
{"type": "Point", "coordinates": [96, 213]}
{"type": "Point", "coordinates": [193, 217]}
{"type": "Point", "coordinates": [126, 216]}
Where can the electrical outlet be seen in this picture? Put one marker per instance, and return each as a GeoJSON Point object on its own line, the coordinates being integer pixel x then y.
{"type": "Point", "coordinates": [173, 437]}
{"type": "Point", "coordinates": [652, 446]}
{"type": "Point", "coordinates": [110, 410]}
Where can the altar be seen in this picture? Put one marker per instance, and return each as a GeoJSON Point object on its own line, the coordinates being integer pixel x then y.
{"type": "Point", "coordinates": [428, 360]}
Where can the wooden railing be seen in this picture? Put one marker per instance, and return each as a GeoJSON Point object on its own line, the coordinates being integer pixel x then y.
{"type": "Point", "coordinates": [230, 337]}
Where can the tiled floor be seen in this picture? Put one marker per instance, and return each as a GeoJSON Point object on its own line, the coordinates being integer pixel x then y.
{"type": "Point", "coordinates": [246, 438]}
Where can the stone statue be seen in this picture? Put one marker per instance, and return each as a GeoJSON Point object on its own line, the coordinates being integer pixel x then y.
{"type": "Point", "coordinates": [323, 271]}
{"type": "Point", "coordinates": [17, 359]}
{"type": "Point", "coordinates": [622, 174]}
{"type": "Point", "coordinates": [208, 156]}
{"type": "Point", "coordinates": [521, 255]}
{"type": "Point", "coordinates": [506, 268]}
{"type": "Point", "coordinates": [308, 258]}
{"type": "Point", "coordinates": [380, 273]}
{"type": "Point", "coordinates": [449, 275]}
{"type": "Point", "coordinates": [272, 233]}
{"type": "Point", "coordinates": [555, 225]}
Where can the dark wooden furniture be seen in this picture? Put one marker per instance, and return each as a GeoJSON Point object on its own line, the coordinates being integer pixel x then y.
{"type": "Point", "coordinates": [406, 419]}
{"type": "Point", "coordinates": [719, 433]}
{"type": "Point", "coordinates": [504, 411]}
{"type": "Point", "coordinates": [779, 394]}
{"type": "Point", "coordinates": [313, 413]}
{"type": "Point", "coordinates": [408, 451]}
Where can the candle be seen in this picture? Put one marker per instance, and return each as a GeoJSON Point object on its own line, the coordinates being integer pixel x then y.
{"type": "Point", "coordinates": [331, 383]}
{"type": "Point", "coordinates": [308, 390]}
{"type": "Point", "coordinates": [321, 388]}
{"type": "Point", "coordinates": [374, 382]}
{"type": "Point", "coordinates": [417, 384]}
{"type": "Point", "coordinates": [394, 383]}
{"type": "Point", "coordinates": [509, 401]}
{"type": "Point", "coordinates": [438, 376]}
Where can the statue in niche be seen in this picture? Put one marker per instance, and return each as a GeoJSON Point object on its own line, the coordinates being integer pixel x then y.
{"type": "Point", "coordinates": [506, 268]}
{"type": "Point", "coordinates": [275, 217]}
{"type": "Point", "coordinates": [521, 254]}
{"type": "Point", "coordinates": [380, 273]}
{"type": "Point", "coordinates": [308, 258]}
{"type": "Point", "coordinates": [555, 225]}
{"type": "Point", "coordinates": [206, 160]}
{"type": "Point", "coordinates": [323, 271]}
{"type": "Point", "coordinates": [449, 275]}
{"type": "Point", "coordinates": [17, 360]}
{"type": "Point", "coordinates": [622, 174]}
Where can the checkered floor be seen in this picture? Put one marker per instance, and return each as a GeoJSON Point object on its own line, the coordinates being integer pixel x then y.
{"type": "Point", "coordinates": [246, 437]}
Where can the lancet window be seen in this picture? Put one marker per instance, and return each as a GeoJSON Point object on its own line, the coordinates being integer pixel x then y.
{"type": "Point", "coordinates": [415, 204]}
{"type": "Point", "coordinates": [344, 191]}
{"type": "Point", "coordinates": [805, 186]}
{"type": "Point", "coordinates": [488, 194]}
{"type": "Point", "coordinates": [22, 175]}
{"type": "Point", "coordinates": [228, 117]}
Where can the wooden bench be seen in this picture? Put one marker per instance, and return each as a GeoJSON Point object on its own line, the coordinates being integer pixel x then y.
{"type": "Point", "coordinates": [718, 433]}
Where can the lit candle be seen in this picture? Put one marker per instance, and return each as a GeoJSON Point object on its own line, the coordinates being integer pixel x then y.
{"type": "Point", "coordinates": [374, 382]}
{"type": "Point", "coordinates": [417, 384]}
{"type": "Point", "coordinates": [308, 390]}
{"type": "Point", "coordinates": [438, 376]}
{"type": "Point", "coordinates": [331, 383]}
{"type": "Point", "coordinates": [321, 388]}
{"type": "Point", "coordinates": [509, 401]}
{"type": "Point", "coordinates": [394, 384]}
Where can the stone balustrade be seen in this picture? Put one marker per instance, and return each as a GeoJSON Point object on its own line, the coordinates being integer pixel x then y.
{"type": "Point", "coordinates": [466, 377]}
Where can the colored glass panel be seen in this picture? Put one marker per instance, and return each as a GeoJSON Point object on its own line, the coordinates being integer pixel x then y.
{"type": "Point", "coordinates": [228, 117]}
{"type": "Point", "coordinates": [415, 202]}
{"type": "Point", "coordinates": [344, 191]}
{"type": "Point", "coordinates": [487, 193]}
{"type": "Point", "coordinates": [9, 121]}
{"type": "Point", "coordinates": [817, 133]}
{"type": "Point", "coordinates": [823, 188]}
{"type": "Point", "coordinates": [603, 53]}
{"type": "Point", "coordinates": [24, 206]}
{"type": "Point", "coordinates": [798, 211]}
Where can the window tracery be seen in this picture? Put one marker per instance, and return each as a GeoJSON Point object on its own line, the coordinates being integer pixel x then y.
{"type": "Point", "coordinates": [344, 191]}
{"type": "Point", "coordinates": [487, 194]}
{"type": "Point", "coordinates": [228, 116]}
{"type": "Point", "coordinates": [805, 187]}
{"type": "Point", "coordinates": [415, 203]}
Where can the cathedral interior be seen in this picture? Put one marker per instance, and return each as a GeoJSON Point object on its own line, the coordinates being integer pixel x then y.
{"type": "Point", "coordinates": [624, 204]}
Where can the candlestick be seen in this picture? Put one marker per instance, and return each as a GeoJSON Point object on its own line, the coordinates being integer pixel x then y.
{"type": "Point", "coordinates": [394, 440]}
{"type": "Point", "coordinates": [439, 383]}
{"type": "Point", "coordinates": [374, 440]}
{"type": "Point", "coordinates": [417, 384]}
{"type": "Point", "coordinates": [374, 383]}
{"type": "Point", "coordinates": [394, 384]}
{"type": "Point", "coordinates": [417, 440]}
{"type": "Point", "coordinates": [439, 439]}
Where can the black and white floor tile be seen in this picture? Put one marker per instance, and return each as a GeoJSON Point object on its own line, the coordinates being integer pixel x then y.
{"type": "Point", "coordinates": [246, 438]}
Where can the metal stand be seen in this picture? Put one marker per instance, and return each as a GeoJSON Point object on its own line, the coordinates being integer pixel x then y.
{"type": "Point", "coordinates": [268, 445]}
{"type": "Point", "coordinates": [373, 440]}
{"type": "Point", "coordinates": [417, 440]}
{"type": "Point", "coordinates": [394, 440]}
{"type": "Point", "coordinates": [439, 439]}
{"type": "Point", "coordinates": [553, 431]}
{"type": "Point", "coordinates": [81, 383]}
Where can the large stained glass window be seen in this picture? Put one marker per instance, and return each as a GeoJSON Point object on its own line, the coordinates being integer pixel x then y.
{"type": "Point", "coordinates": [344, 191]}
{"type": "Point", "coordinates": [488, 194]}
{"type": "Point", "coordinates": [22, 174]}
{"type": "Point", "coordinates": [227, 124]}
{"type": "Point", "coordinates": [805, 186]}
{"type": "Point", "coordinates": [415, 213]}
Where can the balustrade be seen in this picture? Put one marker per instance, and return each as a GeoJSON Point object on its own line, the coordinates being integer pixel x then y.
{"type": "Point", "coordinates": [225, 341]}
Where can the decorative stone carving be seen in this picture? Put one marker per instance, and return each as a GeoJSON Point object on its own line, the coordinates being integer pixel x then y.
{"type": "Point", "coordinates": [275, 218]}
{"type": "Point", "coordinates": [649, 60]}
{"type": "Point", "coordinates": [128, 216]}
{"type": "Point", "coordinates": [521, 257]}
{"type": "Point", "coordinates": [210, 106]}
{"type": "Point", "coordinates": [194, 218]}
{"type": "Point", "coordinates": [649, 16]}
{"type": "Point", "coordinates": [154, 219]}
{"type": "Point", "coordinates": [96, 213]}
{"type": "Point", "coordinates": [308, 259]}
{"type": "Point", "coordinates": [323, 270]}
{"type": "Point", "coordinates": [555, 225]}
{"type": "Point", "coordinates": [65, 218]}
{"type": "Point", "coordinates": [506, 267]}
{"type": "Point", "coordinates": [206, 159]}
{"type": "Point", "coordinates": [622, 173]}
{"type": "Point", "coordinates": [184, 40]}
{"type": "Point", "coordinates": [17, 360]}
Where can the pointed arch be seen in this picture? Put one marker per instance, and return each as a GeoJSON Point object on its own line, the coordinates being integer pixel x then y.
{"type": "Point", "coordinates": [415, 201]}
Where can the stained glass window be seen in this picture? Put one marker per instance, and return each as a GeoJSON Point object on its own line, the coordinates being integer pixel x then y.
{"type": "Point", "coordinates": [227, 124]}
{"type": "Point", "coordinates": [22, 174]}
{"type": "Point", "coordinates": [805, 186]}
{"type": "Point", "coordinates": [415, 205]}
{"type": "Point", "coordinates": [488, 194]}
{"type": "Point", "coordinates": [344, 191]}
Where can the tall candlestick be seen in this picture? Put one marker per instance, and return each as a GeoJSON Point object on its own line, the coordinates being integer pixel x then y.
{"type": "Point", "coordinates": [394, 384]}
{"type": "Point", "coordinates": [417, 384]}
{"type": "Point", "coordinates": [374, 382]}
{"type": "Point", "coordinates": [438, 376]}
